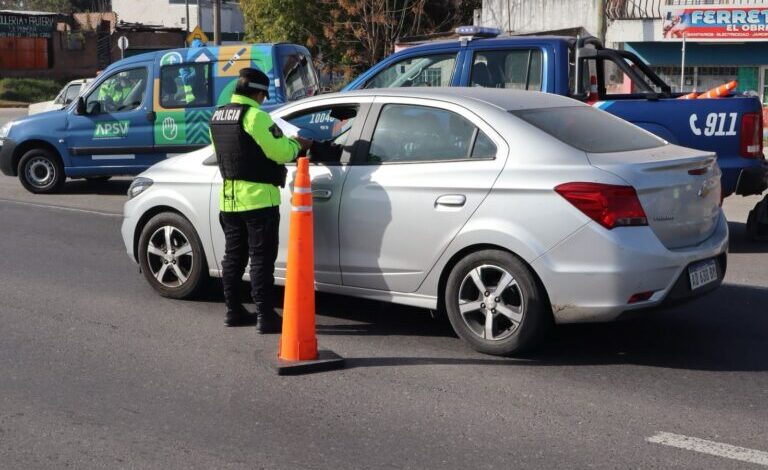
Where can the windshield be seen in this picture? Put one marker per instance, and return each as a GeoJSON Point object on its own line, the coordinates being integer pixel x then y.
{"type": "Point", "coordinates": [589, 129]}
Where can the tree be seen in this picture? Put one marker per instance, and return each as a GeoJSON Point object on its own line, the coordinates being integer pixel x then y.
{"type": "Point", "coordinates": [283, 20]}
{"type": "Point", "coordinates": [362, 32]}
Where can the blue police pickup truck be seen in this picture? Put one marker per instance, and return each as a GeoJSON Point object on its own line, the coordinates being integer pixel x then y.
{"type": "Point", "coordinates": [144, 108]}
{"type": "Point", "coordinates": [616, 81]}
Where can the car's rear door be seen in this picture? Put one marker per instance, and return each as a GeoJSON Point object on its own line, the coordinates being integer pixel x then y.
{"type": "Point", "coordinates": [421, 170]}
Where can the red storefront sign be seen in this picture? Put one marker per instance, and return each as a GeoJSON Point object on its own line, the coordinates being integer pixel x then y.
{"type": "Point", "coordinates": [707, 23]}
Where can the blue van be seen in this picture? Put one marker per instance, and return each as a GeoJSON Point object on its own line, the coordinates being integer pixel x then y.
{"type": "Point", "coordinates": [144, 109]}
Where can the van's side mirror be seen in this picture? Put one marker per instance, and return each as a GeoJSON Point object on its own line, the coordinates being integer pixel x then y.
{"type": "Point", "coordinates": [93, 108]}
{"type": "Point", "coordinates": [80, 108]}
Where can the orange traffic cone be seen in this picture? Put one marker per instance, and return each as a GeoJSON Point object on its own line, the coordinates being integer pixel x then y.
{"type": "Point", "coordinates": [593, 96]}
{"type": "Point", "coordinates": [298, 344]}
{"type": "Point", "coordinates": [689, 96]}
{"type": "Point", "coordinates": [722, 90]}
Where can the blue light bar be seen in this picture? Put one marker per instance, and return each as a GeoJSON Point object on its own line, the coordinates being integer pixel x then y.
{"type": "Point", "coordinates": [478, 31]}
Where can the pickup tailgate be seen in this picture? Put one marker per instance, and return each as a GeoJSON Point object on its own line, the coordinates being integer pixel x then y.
{"type": "Point", "coordinates": [679, 189]}
{"type": "Point", "coordinates": [708, 124]}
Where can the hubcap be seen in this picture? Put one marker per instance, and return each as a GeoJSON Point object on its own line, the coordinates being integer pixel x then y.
{"type": "Point", "coordinates": [169, 256]}
{"type": "Point", "coordinates": [40, 172]}
{"type": "Point", "coordinates": [491, 302]}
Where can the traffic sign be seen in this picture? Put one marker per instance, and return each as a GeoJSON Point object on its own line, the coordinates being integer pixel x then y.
{"type": "Point", "coordinates": [197, 33]}
{"type": "Point", "coordinates": [122, 43]}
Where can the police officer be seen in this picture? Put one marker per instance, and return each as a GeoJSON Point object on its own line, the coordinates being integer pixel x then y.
{"type": "Point", "coordinates": [251, 152]}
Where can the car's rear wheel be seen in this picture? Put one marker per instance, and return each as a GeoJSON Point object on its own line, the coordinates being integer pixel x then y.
{"type": "Point", "coordinates": [171, 256]}
{"type": "Point", "coordinates": [41, 171]}
{"type": "Point", "coordinates": [495, 304]}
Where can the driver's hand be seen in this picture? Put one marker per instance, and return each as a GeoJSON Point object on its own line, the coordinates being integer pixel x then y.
{"type": "Point", "coordinates": [305, 143]}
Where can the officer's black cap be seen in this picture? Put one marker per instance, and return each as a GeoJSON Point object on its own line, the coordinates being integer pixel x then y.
{"type": "Point", "coordinates": [257, 80]}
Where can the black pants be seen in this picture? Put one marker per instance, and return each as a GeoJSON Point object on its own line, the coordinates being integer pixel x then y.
{"type": "Point", "coordinates": [253, 234]}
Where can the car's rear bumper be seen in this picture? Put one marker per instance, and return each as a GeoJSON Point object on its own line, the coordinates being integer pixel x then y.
{"type": "Point", "coordinates": [7, 147]}
{"type": "Point", "coordinates": [591, 275]}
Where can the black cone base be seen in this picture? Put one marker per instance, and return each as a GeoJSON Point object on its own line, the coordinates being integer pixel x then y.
{"type": "Point", "coordinates": [326, 360]}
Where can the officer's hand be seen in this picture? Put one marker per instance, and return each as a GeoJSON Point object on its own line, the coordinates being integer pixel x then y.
{"type": "Point", "coordinates": [305, 143]}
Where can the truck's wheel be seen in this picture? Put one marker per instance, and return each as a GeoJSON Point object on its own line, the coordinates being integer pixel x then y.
{"type": "Point", "coordinates": [41, 171]}
{"type": "Point", "coordinates": [495, 304]}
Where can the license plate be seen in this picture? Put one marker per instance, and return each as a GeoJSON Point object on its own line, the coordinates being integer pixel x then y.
{"type": "Point", "coordinates": [702, 273]}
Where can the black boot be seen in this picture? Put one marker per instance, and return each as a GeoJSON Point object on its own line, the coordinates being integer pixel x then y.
{"type": "Point", "coordinates": [239, 317]}
{"type": "Point", "coordinates": [269, 322]}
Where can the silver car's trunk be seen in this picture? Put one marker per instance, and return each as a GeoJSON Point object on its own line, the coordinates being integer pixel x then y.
{"type": "Point", "coordinates": [679, 189]}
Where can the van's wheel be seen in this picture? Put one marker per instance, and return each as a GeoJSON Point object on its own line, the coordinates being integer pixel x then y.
{"type": "Point", "coordinates": [495, 304]}
{"type": "Point", "coordinates": [40, 171]}
{"type": "Point", "coordinates": [171, 256]}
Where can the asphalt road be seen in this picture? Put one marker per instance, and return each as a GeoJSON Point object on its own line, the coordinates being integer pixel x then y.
{"type": "Point", "coordinates": [97, 371]}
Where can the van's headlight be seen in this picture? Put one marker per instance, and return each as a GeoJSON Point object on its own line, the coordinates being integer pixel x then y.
{"type": "Point", "coordinates": [138, 185]}
{"type": "Point", "coordinates": [5, 129]}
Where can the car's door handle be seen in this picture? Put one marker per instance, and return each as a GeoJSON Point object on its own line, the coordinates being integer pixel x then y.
{"type": "Point", "coordinates": [151, 116]}
{"type": "Point", "coordinates": [322, 194]}
{"type": "Point", "coordinates": [451, 200]}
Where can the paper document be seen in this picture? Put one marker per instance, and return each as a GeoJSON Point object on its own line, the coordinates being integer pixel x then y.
{"type": "Point", "coordinates": [288, 129]}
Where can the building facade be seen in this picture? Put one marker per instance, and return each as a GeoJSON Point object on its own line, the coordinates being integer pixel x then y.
{"type": "Point", "coordinates": [173, 13]}
{"type": "Point", "coordinates": [724, 39]}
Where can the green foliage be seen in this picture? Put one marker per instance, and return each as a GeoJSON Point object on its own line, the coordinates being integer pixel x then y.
{"type": "Point", "coordinates": [294, 21]}
{"type": "Point", "coordinates": [29, 90]}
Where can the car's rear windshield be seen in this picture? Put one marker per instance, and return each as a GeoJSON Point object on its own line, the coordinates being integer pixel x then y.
{"type": "Point", "coordinates": [589, 129]}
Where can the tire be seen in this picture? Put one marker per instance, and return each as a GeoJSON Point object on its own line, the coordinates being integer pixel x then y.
{"type": "Point", "coordinates": [97, 179]}
{"type": "Point", "coordinates": [180, 274]}
{"type": "Point", "coordinates": [518, 313]}
{"type": "Point", "coordinates": [41, 172]}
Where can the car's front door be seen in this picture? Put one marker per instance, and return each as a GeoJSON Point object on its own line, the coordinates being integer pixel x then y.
{"type": "Point", "coordinates": [423, 168]}
{"type": "Point", "coordinates": [335, 126]}
{"type": "Point", "coordinates": [116, 129]}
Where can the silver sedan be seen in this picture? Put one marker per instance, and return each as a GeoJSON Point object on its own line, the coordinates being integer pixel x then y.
{"type": "Point", "coordinates": [508, 210]}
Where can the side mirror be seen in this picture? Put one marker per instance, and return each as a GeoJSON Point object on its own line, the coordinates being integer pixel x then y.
{"type": "Point", "coordinates": [94, 107]}
{"type": "Point", "coordinates": [80, 108]}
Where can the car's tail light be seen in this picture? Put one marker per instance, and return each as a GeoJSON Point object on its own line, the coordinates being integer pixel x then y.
{"type": "Point", "coordinates": [609, 205]}
{"type": "Point", "coordinates": [752, 135]}
{"type": "Point", "coordinates": [640, 297]}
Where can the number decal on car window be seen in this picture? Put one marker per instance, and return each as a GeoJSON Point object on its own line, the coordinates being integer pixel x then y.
{"type": "Point", "coordinates": [715, 124]}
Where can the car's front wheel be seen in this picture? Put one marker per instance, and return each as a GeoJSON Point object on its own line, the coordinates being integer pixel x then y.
{"type": "Point", "coordinates": [41, 171]}
{"type": "Point", "coordinates": [171, 256]}
{"type": "Point", "coordinates": [495, 304]}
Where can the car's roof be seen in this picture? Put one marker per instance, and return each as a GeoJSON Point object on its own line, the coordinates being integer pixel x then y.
{"type": "Point", "coordinates": [480, 42]}
{"type": "Point", "coordinates": [501, 98]}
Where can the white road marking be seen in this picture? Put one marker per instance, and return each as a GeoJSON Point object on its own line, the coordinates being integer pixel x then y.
{"type": "Point", "coordinates": [705, 446]}
{"type": "Point", "coordinates": [61, 208]}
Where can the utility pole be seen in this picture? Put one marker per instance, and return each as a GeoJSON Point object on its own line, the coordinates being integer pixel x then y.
{"type": "Point", "coordinates": [186, 3]}
{"type": "Point", "coordinates": [217, 22]}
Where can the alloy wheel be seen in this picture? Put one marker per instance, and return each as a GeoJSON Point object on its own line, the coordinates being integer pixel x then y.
{"type": "Point", "coordinates": [491, 302]}
{"type": "Point", "coordinates": [169, 256]}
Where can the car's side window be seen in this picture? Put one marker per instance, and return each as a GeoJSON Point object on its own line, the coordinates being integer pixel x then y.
{"type": "Point", "coordinates": [518, 69]}
{"type": "Point", "coordinates": [411, 133]}
{"type": "Point", "coordinates": [431, 70]}
{"type": "Point", "coordinates": [122, 91]}
{"type": "Point", "coordinates": [71, 93]}
{"type": "Point", "coordinates": [328, 127]}
{"type": "Point", "coordinates": [185, 86]}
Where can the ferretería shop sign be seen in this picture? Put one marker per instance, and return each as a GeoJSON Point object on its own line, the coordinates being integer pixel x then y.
{"type": "Point", "coordinates": [707, 23]}
{"type": "Point", "coordinates": [26, 26]}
